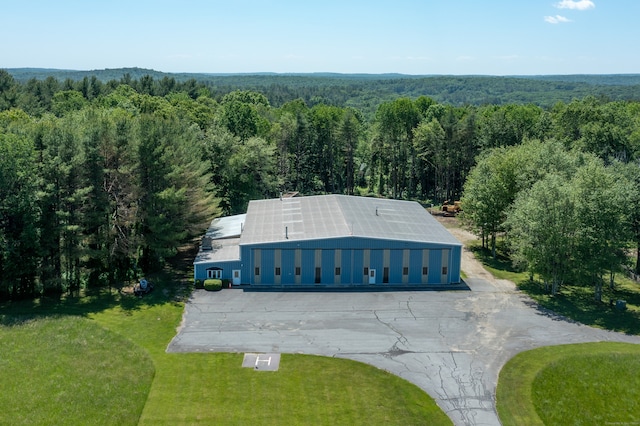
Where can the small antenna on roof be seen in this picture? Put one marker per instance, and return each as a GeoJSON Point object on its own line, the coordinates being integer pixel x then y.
{"type": "Point", "coordinates": [286, 232]}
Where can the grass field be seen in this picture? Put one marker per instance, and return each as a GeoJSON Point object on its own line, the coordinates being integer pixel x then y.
{"type": "Point", "coordinates": [70, 370]}
{"type": "Point", "coordinates": [106, 355]}
{"type": "Point", "coordinates": [583, 384]}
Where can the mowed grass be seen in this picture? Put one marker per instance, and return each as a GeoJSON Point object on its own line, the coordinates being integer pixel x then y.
{"type": "Point", "coordinates": [69, 370]}
{"type": "Point", "coordinates": [582, 384]}
{"type": "Point", "coordinates": [306, 390]}
{"type": "Point", "coordinates": [197, 388]}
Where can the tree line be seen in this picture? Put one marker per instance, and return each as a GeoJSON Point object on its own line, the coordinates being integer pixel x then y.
{"type": "Point", "coordinates": [102, 182]}
{"type": "Point", "coordinates": [566, 200]}
{"type": "Point", "coordinates": [363, 92]}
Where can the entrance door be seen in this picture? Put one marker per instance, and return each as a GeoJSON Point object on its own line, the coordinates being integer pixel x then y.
{"type": "Point", "coordinates": [236, 277]}
{"type": "Point", "coordinates": [372, 276]}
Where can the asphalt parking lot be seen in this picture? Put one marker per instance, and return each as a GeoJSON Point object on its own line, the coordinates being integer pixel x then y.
{"type": "Point", "coordinates": [452, 344]}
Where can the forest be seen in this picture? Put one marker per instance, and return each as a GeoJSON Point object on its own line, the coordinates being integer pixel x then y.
{"type": "Point", "coordinates": [365, 91]}
{"type": "Point", "coordinates": [102, 181]}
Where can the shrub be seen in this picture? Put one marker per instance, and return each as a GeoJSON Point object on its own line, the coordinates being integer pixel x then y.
{"type": "Point", "coordinates": [212, 285]}
{"type": "Point", "coordinates": [199, 284]}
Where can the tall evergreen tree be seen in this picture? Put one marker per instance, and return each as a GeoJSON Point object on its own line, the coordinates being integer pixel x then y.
{"type": "Point", "coordinates": [18, 217]}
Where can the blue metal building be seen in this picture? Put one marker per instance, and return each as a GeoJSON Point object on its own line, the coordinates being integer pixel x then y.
{"type": "Point", "coordinates": [330, 240]}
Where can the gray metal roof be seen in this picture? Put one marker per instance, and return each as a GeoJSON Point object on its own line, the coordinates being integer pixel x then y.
{"type": "Point", "coordinates": [225, 235]}
{"type": "Point", "coordinates": [227, 249]}
{"type": "Point", "coordinates": [330, 216]}
{"type": "Point", "coordinates": [226, 227]}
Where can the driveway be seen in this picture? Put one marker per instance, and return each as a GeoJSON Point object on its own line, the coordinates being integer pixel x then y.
{"type": "Point", "coordinates": [452, 344]}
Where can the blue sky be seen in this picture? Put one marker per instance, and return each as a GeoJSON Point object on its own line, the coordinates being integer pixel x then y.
{"type": "Point", "coordinates": [460, 37]}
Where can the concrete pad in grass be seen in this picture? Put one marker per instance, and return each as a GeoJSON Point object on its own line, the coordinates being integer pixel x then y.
{"type": "Point", "coordinates": [261, 362]}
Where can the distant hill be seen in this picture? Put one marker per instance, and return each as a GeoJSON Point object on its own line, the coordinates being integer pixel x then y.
{"type": "Point", "coordinates": [366, 91]}
{"type": "Point", "coordinates": [25, 74]}
{"type": "Point", "coordinates": [595, 79]}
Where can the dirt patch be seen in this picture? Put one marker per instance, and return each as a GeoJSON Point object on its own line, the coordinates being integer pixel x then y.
{"type": "Point", "coordinates": [470, 265]}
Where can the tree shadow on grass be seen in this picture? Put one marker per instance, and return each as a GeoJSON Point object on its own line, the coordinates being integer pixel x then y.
{"type": "Point", "coordinates": [576, 304]}
{"type": "Point", "coordinates": [172, 284]}
{"type": "Point", "coordinates": [501, 262]}
{"type": "Point", "coordinates": [628, 294]}
{"type": "Point", "coordinates": [18, 312]}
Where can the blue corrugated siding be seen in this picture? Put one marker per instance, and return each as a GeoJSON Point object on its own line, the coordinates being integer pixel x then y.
{"type": "Point", "coordinates": [200, 270]}
{"type": "Point", "coordinates": [267, 267]}
{"type": "Point", "coordinates": [435, 266]}
{"type": "Point", "coordinates": [415, 270]}
{"type": "Point", "coordinates": [346, 266]}
{"type": "Point", "coordinates": [288, 267]}
{"type": "Point", "coordinates": [456, 259]}
{"type": "Point", "coordinates": [395, 272]}
{"type": "Point", "coordinates": [308, 266]}
{"type": "Point", "coordinates": [375, 262]}
{"type": "Point", "coordinates": [351, 262]}
{"type": "Point", "coordinates": [247, 264]}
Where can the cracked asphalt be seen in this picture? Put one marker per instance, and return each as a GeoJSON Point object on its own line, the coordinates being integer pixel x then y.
{"type": "Point", "coordinates": [452, 344]}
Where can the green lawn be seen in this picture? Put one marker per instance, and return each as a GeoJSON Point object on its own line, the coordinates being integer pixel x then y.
{"type": "Point", "coordinates": [119, 344]}
{"type": "Point", "coordinates": [583, 384]}
{"type": "Point", "coordinates": [70, 370]}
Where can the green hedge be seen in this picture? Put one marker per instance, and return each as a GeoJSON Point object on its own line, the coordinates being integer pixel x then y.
{"type": "Point", "coordinates": [199, 284]}
{"type": "Point", "coordinates": [212, 285]}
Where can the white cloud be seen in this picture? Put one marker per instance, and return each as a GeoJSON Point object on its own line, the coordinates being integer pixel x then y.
{"type": "Point", "coordinates": [556, 19]}
{"type": "Point", "coordinates": [575, 5]}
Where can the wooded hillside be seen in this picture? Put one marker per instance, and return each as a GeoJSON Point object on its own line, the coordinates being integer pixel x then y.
{"type": "Point", "coordinates": [366, 91]}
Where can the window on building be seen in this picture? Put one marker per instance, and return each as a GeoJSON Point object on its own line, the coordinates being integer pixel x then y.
{"type": "Point", "coordinates": [297, 270]}
{"type": "Point", "coordinates": [425, 270]}
{"type": "Point", "coordinates": [338, 270]}
{"type": "Point", "coordinates": [277, 271]}
{"type": "Point", "coordinates": [256, 271]}
{"type": "Point", "coordinates": [215, 274]}
{"type": "Point", "coordinates": [444, 270]}
{"type": "Point", "coordinates": [366, 271]}
{"type": "Point", "coordinates": [405, 270]}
